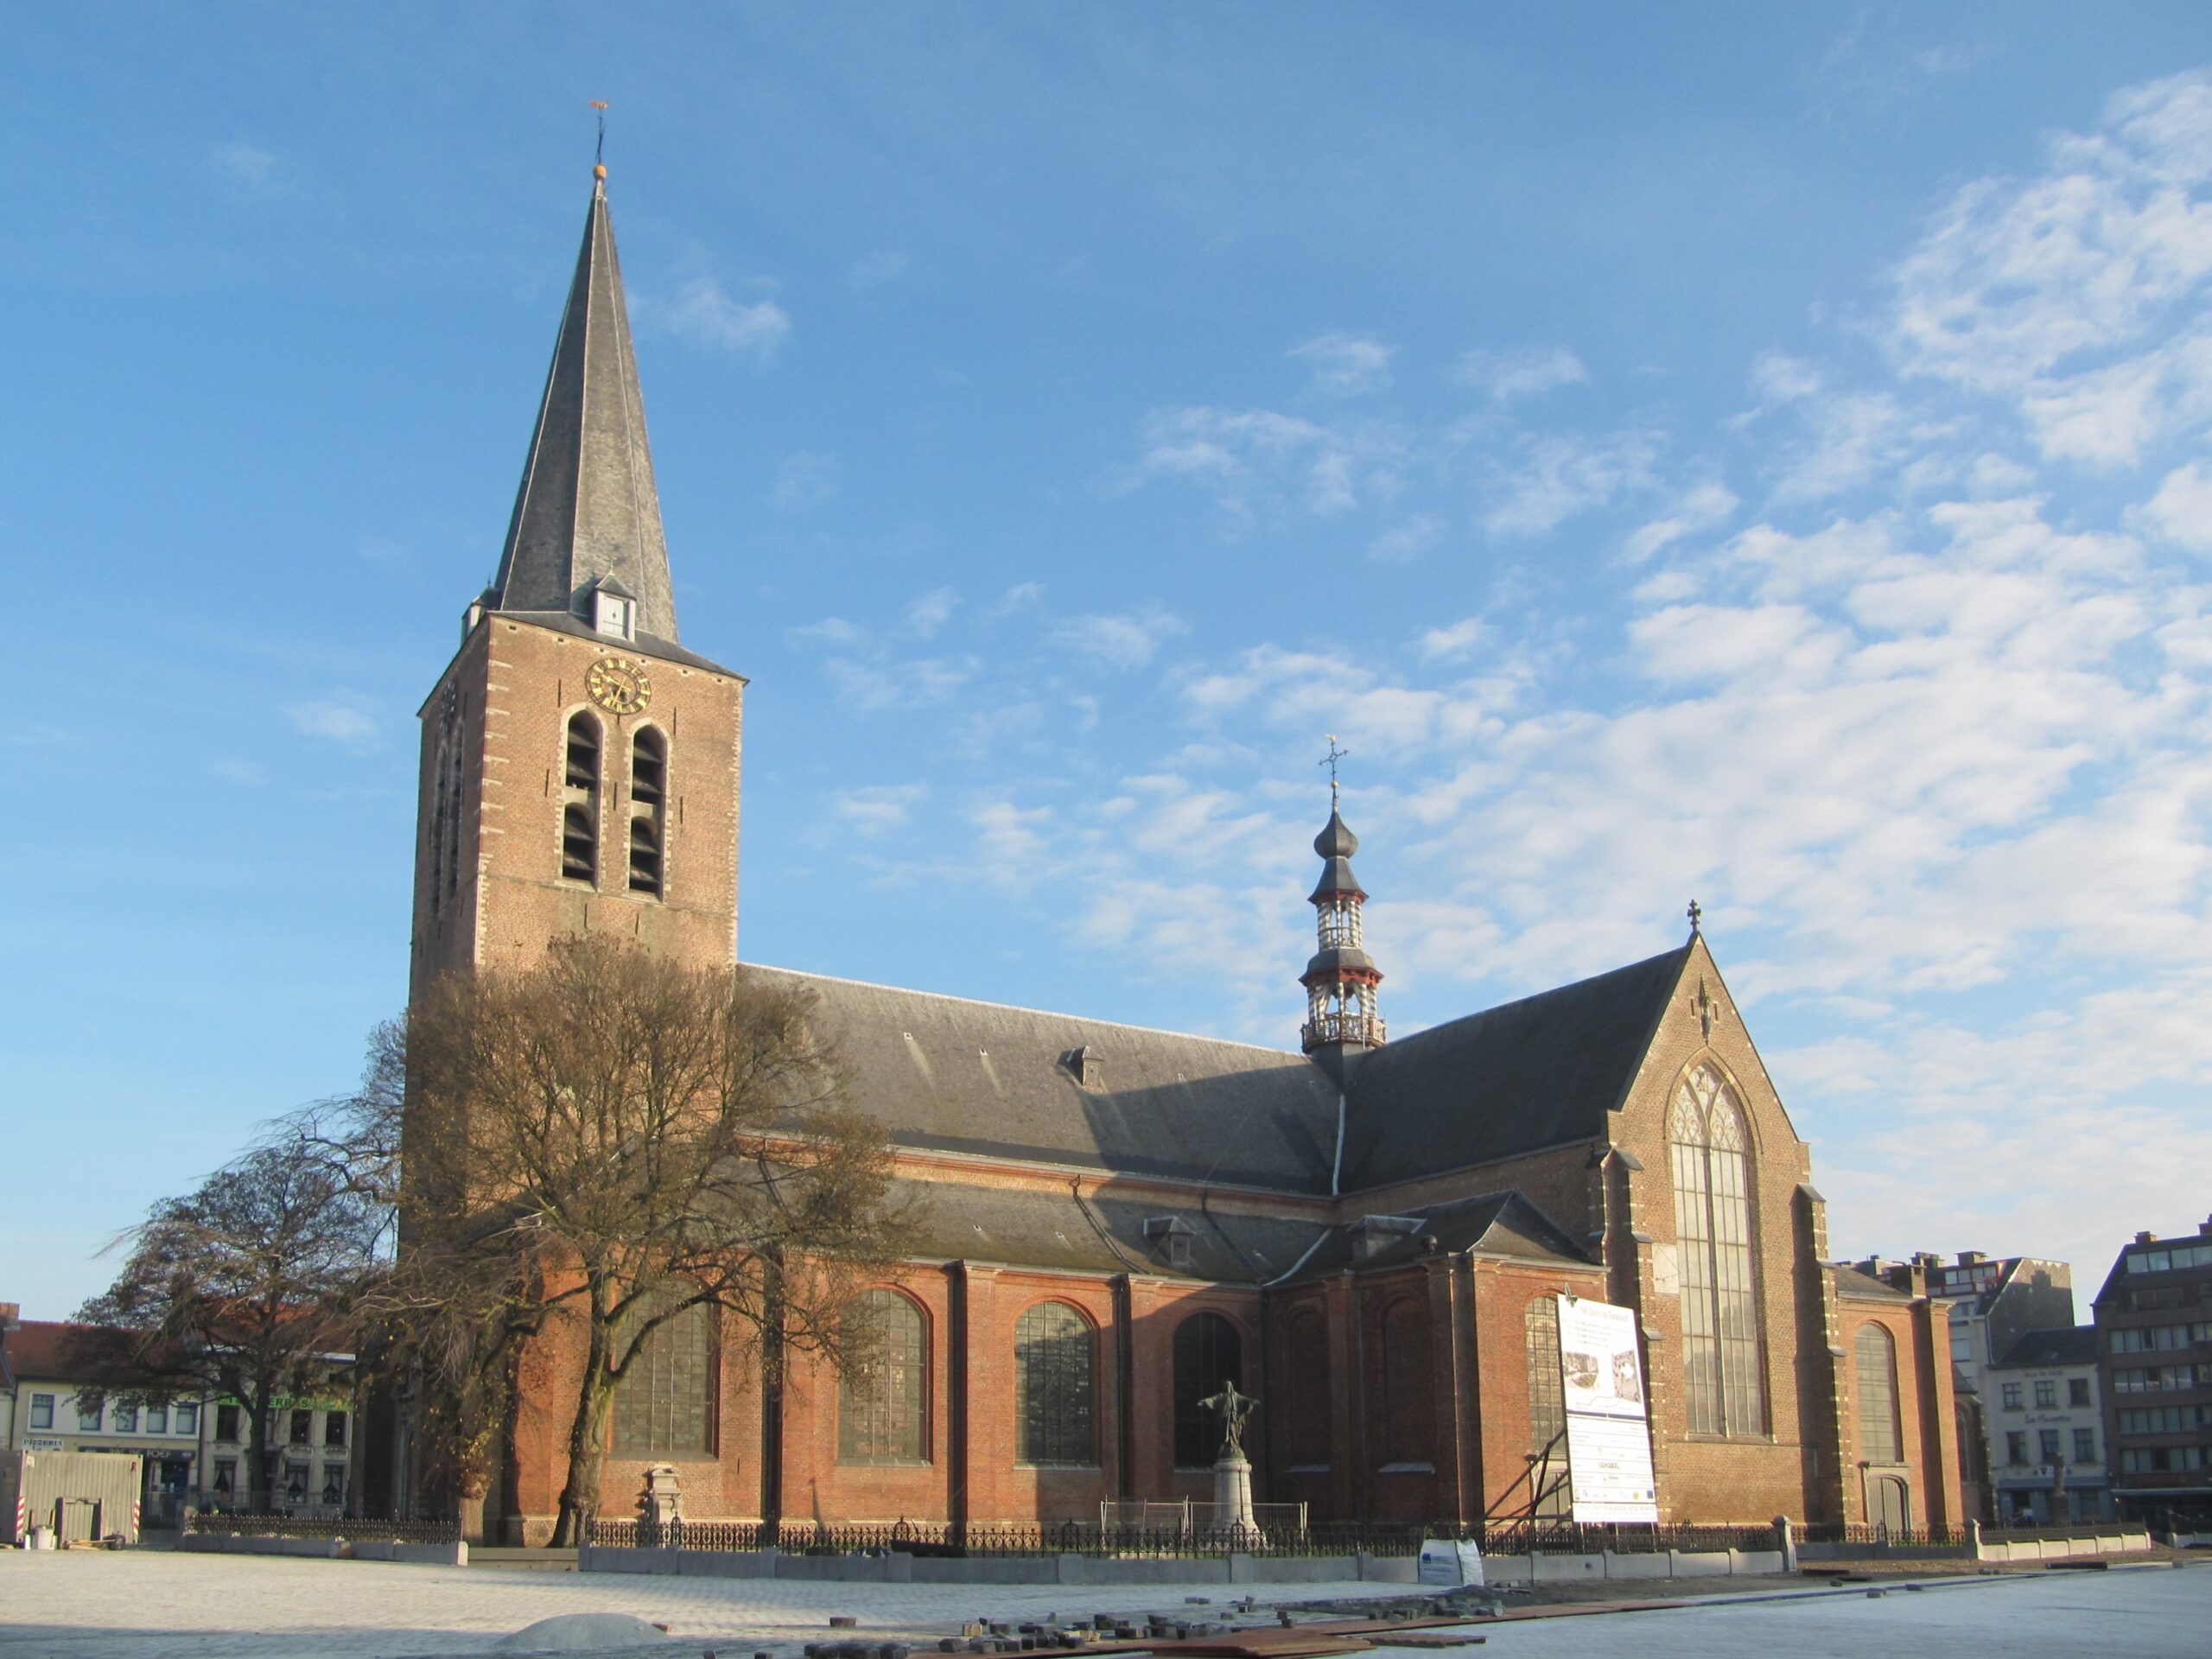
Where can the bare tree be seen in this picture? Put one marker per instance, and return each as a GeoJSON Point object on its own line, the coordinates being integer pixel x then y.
{"type": "Point", "coordinates": [243, 1290]}
{"type": "Point", "coordinates": [608, 1139]}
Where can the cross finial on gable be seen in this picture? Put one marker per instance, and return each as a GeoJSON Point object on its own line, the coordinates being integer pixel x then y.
{"type": "Point", "coordinates": [1696, 912]}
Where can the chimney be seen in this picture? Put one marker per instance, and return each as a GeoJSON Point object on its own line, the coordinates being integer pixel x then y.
{"type": "Point", "coordinates": [2204, 1228]}
{"type": "Point", "coordinates": [12, 1315]}
{"type": "Point", "coordinates": [1969, 1258]}
{"type": "Point", "coordinates": [2146, 1238]}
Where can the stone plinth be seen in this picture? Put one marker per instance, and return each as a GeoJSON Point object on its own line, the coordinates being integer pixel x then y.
{"type": "Point", "coordinates": [1232, 1490]}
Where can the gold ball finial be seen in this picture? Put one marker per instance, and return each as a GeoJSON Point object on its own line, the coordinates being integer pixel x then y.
{"type": "Point", "coordinates": [599, 170]}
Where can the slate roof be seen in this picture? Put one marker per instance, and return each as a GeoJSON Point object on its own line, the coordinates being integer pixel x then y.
{"type": "Point", "coordinates": [1103, 1233]}
{"type": "Point", "coordinates": [1492, 1224]}
{"type": "Point", "coordinates": [588, 507]}
{"type": "Point", "coordinates": [644, 645]}
{"type": "Point", "coordinates": [945, 1074]}
{"type": "Point", "coordinates": [2069, 1345]}
{"type": "Point", "coordinates": [1857, 1287]}
{"type": "Point", "coordinates": [1543, 1072]}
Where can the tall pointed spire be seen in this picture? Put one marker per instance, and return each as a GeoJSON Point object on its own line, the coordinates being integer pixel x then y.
{"type": "Point", "coordinates": [1341, 979]}
{"type": "Point", "coordinates": [587, 512]}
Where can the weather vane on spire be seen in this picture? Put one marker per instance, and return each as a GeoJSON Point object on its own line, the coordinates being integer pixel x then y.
{"type": "Point", "coordinates": [599, 153]}
{"type": "Point", "coordinates": [1330, 760]}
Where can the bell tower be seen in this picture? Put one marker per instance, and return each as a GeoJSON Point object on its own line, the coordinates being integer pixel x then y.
{"type": "Point", "coordinates": [579, 767]}
{"type": "Point", "coordinates": [1341, 978]}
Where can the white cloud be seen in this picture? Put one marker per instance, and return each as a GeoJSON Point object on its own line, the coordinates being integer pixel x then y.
{"type": "Point", "coordinates": [805, 480]}
{"type": "Point", "coordinates": [1699, 508]}
{"type": "Point", "coordinates": [876, 270]}
{"type": "Point", "coordinates": [1129, 639]}
{"type": "Point", "coordinates": [878, 809]}
{"type": "Point", "coordinates": [2182, 509]}
{"type": "Point", "coordinates": [1406, 540]}
{"type": "Point", "coordinates": [1346, 364]}
{"type": "Point", "coordinates": [1452, 643]}
{"type": "Point", "coordinates": [874, 686]}
{"type": "Point", "coordinates": [2040, 290]}
{"type": "Point", "coordinates": [929, 612]}
{"type": "Point", "coordinates": [829, 631]}
{"type": "Point", "coordinates": [1259, 463]}
{"type": "Point", "coordinates": [1554, 477]}
{"type": "Point", "coordinates": [345, 717]}
{"type": "Point", "coordinates": [703, 312]}
{"type": "Point", "coordinates": [245, 165]}
{"type": "Point", "coordinates": [1777, 378]}
{"type": "Point", "coordinates": [1848, 440]}
{"type": "Point", "coordinates": [1527, 372]}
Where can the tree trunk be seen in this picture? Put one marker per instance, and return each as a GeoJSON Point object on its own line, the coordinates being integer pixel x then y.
{"type": "Point", "coordinates": [587, 1433]}
{"type": "Point", "coordinates": [258, 1494]}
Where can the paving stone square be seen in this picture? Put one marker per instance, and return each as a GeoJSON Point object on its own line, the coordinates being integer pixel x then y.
{"type": "Point", "coordinates": [156, 1604]}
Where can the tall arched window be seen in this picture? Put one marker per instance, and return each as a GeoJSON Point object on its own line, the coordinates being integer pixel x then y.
{"type": "Point", "coordinates": [880, 1409]}
{"type": "Point", "coordinates": [1721, 1336]}
{"type": "Point", "coordinates": [1407, 1391]}
{"type": "Point", "coordinates": [1548, 1490]}
{"type": "Point", "coordinates": [1052, 1410]}
{"type": "Point", "coordinates": [579, 795]}
{"type": "Point", "coordinates": [648, 808]}
{"type": "Point", "coordinates": [1304, 1390]}
{"type": "Point", "coordinates": [1208, 1353]}
{"type": "Point", "coordinates": [1881, 1436]}
{"type": "Point", "coordinates": [664, 1406]}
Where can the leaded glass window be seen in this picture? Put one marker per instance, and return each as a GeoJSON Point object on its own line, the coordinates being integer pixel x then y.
{"type": "Point", "coordinates": [1881, 1438]}
{"type": "Point", "coordinates": [664, 1404]}
{"type": "Point", "coordinates": [1208, 1353]}
{"type": "Point", "coordinates": [1721, 1336]}
{"type": "Point", "coordinates": [880, 1399]}
{"type": "Point", "coordinates": [1547, 1409]}
{"type": "Point", "coordinates": [1051, 1387]}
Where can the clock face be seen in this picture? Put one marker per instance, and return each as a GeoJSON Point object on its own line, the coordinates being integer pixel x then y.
{"type": "Point", "coordinates": [618, 684]}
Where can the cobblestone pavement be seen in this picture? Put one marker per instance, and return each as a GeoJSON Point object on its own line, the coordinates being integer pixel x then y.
{"type": "Point", "coordinates": [159, 1604]}
{"type": "Point", "coordinates": [153, 1605]}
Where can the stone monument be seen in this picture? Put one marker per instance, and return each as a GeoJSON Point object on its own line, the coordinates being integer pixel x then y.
{"type": "Point", "coordinates": [660, 1507]}
{"type": "Point", "coordinates": [1232, 1470]}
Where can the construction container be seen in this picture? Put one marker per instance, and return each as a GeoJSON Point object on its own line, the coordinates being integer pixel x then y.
{"type": "Point", "coordinates": [77, 1497]}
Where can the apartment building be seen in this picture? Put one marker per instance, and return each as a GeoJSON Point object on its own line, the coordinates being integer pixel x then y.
{"type": "Point", "coordinates": [2154, 1340]}
{"type": "Point", "coordinates": [2043, 1406]}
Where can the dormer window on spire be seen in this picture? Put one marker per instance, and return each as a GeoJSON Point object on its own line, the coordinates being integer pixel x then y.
{"type": "Point", "coordinates": [613, 610]}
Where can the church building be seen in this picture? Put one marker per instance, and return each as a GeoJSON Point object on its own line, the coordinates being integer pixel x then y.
{"type": "Point", "coordinates": [1370, 1236]}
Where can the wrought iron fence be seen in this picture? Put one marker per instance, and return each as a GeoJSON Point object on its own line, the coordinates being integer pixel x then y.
{"type": "Point", "coordinates": [1168, 1542]}
{"type": "Point", "coordinates": [310, 1526]}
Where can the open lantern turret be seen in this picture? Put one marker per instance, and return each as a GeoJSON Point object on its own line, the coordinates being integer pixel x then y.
{"type": "Point", "coordinates": [1341, 979]}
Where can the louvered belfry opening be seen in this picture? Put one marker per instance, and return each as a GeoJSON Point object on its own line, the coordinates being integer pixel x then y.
{"type": "Point", "coordinates": [648, 810]}
{"type": "Point", "coordinates": [579, 812]}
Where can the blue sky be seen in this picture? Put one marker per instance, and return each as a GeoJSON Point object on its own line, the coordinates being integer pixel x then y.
{"type": "Point", "coordinates": [1745, 452]}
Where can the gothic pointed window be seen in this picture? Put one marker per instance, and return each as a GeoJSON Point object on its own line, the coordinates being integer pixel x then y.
{"type": "Point", "coordinates": [1208, 1352]}
{"type": "Point", "coordinates": [648, 808]}
{"type": "Point", "coordinates": [1722, 1338]}
{"type": "Point", "coordinates": [1405, 1396]}
{"type": "Point", "coordinates": [580, 792]}
{"type": "Point", "coordinates": [1881, 1437]}
{"type": "Point", "coordinates": [1548, 1488]}
{"type": "Point", "coordinates": [1053, 1399]}
{"type": "Point", "coordinates": [664, 1406]}
{"type": "Point", "coordinates": [880, 1399]}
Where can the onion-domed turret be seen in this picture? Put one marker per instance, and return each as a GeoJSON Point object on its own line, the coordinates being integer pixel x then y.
{"type": "Point", "coordinates": [1341, 978]}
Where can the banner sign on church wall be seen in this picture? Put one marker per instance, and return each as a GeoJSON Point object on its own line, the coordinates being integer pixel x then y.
{"type": "Point", "coordinates": [1608, 1432]}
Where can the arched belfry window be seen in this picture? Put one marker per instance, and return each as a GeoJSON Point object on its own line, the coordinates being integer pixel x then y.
{"type": "Point", "coordinates": [1881, 1437]}
{"type": "Point", "coordinates": [1053, 1403]}
{"type": "Point", "coordinates": [1208, 1353]}
{"type": "Point", "coordinates": [648, 808]}
{"type": "Point", "coordinates": [1721, 1335]}
{"type": "Point", "coordinates": [880, 1399]}
{"type": "Point", "coordinates": [579, 796]}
